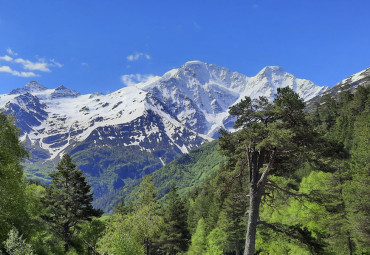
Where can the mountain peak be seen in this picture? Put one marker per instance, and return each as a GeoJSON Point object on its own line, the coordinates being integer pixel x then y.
{"type": "Point", "coordinates": [35, 85]}
{"type": "Point", "coordinates": [32, 86]}
{"type": "Point", "coordinates": [194, 62]}
{"type": "Point", "coordinates": [272, 69]}
{"type": "Point", "coordinates": [62, 87]}
{"type": "Point", "coordinates": [63, 91]}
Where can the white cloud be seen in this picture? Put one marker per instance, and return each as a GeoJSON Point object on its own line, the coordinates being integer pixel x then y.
{"type": "Point", "coordinates": [34, 66]}
{"type": "Point", "coordinates": [41, 65]}
{"type": "Point", "coordinates": [85, 64]}
{"type": "Point", "coordinates": [196, 25]}
{"type": "Point", "coordinates": [11, 52]}
{"type": "Point", "coordinates": [7, 69]}
{"type": "Point", "coordinates": [55, 63]}
{"type": "Point", "coordinates": [132, 79]}
{"type": "Point", "coordinates": [137, 56]}
{"type": "Point", "coordinates": [6, 58]}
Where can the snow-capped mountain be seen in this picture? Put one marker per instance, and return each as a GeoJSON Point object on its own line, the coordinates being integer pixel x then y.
{"type": "Point", "coordinates": [349, 84]}
{"type": "Point", "coordinates": [147, 124]}
{"type": "Point", "coordinates": [194, 98]}
{"type": "Point", "coordinates": [199, 94]}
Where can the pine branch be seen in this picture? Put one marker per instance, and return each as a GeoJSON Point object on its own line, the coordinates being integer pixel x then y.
{"type": "Point", "coordinates": [263, 178]}
{"type": "Point", "coordinates": [273, 184]}
{"type": "Point", "coordinates": [92, 248]}
{"type": "Point", "coordinates": [296, 232]}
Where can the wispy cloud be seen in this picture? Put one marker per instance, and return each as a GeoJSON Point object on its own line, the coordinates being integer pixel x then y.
{"type": "Point", "coordinates": [137, 56]}
{"type": "Point", "coordinates": [132, 79]}
{"type": "Point", "coordinates": [55, 63]}
{"type": "Point", "coordinates": [6, 58]}
{"type": "Point", "coordinates": [196, 25]}
{"type": "Point", "coordinates": [11, 52]}
{"type": "Point", "coordinates": [85, 64]}
{"type": "Point", "coordinates": [8, 69]}
{"type": "Point", "coordinates": [41, 65]}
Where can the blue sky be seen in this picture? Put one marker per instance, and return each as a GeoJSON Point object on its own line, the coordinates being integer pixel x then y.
{"type": "Point", "coordinates": [90, 45]}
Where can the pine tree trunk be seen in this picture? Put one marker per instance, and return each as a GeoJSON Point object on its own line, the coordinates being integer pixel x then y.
{"type": "Point", "coordinates": [147, 248]}
{"type": "Point", "coordinates": [255, 194]}
{"type": "Point", "coordinates": [349, 244]}
{"type": "Point", "coordinates": [66, 237]}
{"type": "Point", "coordinates": [255, 200]}
{"type": "Point", "coordinates": [66, 248]}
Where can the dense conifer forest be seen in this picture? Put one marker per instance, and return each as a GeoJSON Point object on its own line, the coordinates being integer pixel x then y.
{"type": "Point", "coordinates": [288, 181]}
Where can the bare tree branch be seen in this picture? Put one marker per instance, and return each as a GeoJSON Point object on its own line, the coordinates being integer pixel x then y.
{"type": "Point", "coordinates": [92, 248]}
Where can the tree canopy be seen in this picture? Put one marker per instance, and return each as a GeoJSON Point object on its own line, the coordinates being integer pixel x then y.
{"type": "Point", "coordinates": [68, 200]}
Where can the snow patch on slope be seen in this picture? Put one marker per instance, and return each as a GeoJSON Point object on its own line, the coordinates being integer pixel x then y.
{"type": "Point", "coordinates": [193, 99]}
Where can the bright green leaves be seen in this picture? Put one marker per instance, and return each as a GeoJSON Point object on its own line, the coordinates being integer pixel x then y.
{"type": "Point", "coordinates": [16, 245]}
{"type": "Point", "coordinates": [199, 239]}
{"type": "Point", "coordinates": [12, 186]}
{"type": "Point", "coordinates": [134, 232]}
{"type": "Point", "coordinates": [119, 239]}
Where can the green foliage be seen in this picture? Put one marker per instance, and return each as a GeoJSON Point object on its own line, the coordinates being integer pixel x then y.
{"type": "Point", "coordinates": [175, 234]}
{"type": "Point", "coordinates": [356, 193]}
{"type": "Point", "coordinates": [15, 245]}
{"type": "Point", "coordinates": [86, 239]}
{"type": "Point", "coordinates": [350, 209]}
{"type": "Point", "coordinates": [232, 220]}
{"type": "Point", "coordinates": [109, 168]}
{"type": "Point", "coordinates": [321, 205]}
{"type": "Point", "coordinates": [68, 200]}
{"type": "Point", "coordinates": [335, 208]}
{"type": "Point", "coordinates": [215, 241]}
{"type": "Point", "coordinates": [199, 239]}
{"type": "Point", "coordinates": [141, 225]}
{"type": "Point", "coordinates": [275, 139]}
{"type": "Point", "coordinates": [188, 171]}
{"type": "Point", "coordinates": [12, 186]}
{"type": "Point", "coordinates": [119, 238]}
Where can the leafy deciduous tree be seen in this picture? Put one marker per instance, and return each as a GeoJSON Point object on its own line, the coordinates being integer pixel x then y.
{"type": "Point", "coordinates": [12, 185]}
{"type": "Point", "coordinates": [199, 239]}
{"type": "Point", "coordinates": [15, 245]}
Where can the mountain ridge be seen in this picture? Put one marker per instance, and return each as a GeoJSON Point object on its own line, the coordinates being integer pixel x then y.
{"type": "Point", "coordinates": [196, 95]}
{"type": "Point", "coordinates": [350, 84]}
{"type": "Point", "coordinates": [157, 121]}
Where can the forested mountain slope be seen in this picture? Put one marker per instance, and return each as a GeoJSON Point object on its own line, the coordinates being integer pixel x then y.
{"type": "Point", "coordinates": [330, 215]}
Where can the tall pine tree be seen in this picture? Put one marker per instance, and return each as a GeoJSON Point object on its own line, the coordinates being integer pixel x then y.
{"type": "Point", "coordinates": [275, 139]}
{"type": "Point", "coordinates": [68, 200]}
{"type": "Point", "coordinates": [176, 235]}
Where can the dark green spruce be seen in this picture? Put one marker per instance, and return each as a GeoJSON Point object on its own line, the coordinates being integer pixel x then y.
{"type": "Point", "coordinates": [176, 236]}
{"type": "Point", "coordinates": [68, 201]}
